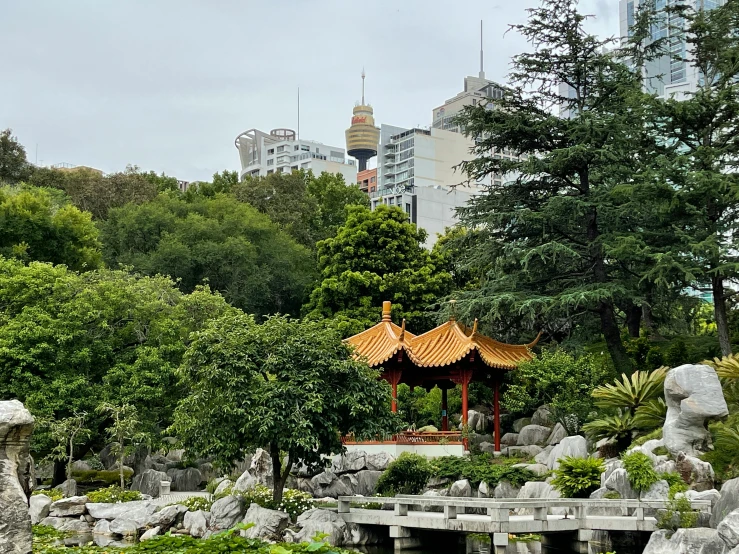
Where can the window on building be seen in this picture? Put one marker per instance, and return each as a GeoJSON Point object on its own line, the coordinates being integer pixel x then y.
{"type": "Point", "coordinates": [305, 148]}
{"type": "Point", "coordinates": [408, 208]}
{"type": "Point", "coordinates": [270, 151]}
{"type": "Point", "coordinates": [296, 147]}
{"type": "Point", "coordinates": [270, 171]}
{"type": "Point", "coordinates": [280, 148]}
{"type": "Point", "coordinates": [271, 161]}
{"type": "Point", "coordinates": [391, 201]}
{"type": "Point", "coordinates": [317, 150]}
{"type": "Point", "coordinates": [372, 179]}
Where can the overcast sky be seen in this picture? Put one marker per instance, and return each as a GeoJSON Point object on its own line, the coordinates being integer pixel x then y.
{"type": "Point", "coordinates": [168, 84]}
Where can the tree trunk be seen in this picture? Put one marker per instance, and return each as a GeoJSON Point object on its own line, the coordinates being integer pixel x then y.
{"type": "Point", "coordinates": [633, 319]}
{"type": "Point", "coordinates": [611, 333]}
{"type": "Point", "coordinates": [719, 310]}
{"type": "Point", "coordinates": [69, 460]}
{"type": "Point", "coordinates": [648, 318]}
{"type": "Point", "coordinates": [120, 465]}
{"type": "Point", "coordinates": [279, 476]}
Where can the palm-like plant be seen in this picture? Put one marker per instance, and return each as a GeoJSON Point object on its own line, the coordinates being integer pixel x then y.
{"type": "Point", "coordinates": [651, 415]}
{"type": "Point", "coordinates": [726, 367]}
{"type": "Point", "coordinates": [630, 393]}
{"type": "Point", "coordinates": [619, 427]}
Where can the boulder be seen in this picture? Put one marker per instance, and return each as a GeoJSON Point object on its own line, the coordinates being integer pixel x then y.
{"type": "Point", "coordinates": [138, 510]}
{"type": "Point", "coordinates": [226, 512]}
{"type": "Point", "coordinates": [66, 507]}
{"type": "Point", "coordinates": [39, 508]}
{"type": "Point", "coordinates": [520, 424]}
{"type": "Point", "coordinates": [222, 486]}
{"type": "Point", "coordinates": [175, 455]}
{"type": "Point", "coordinates": [328, 483]}
{"type": "Point", "coordinates": [728, 502]}
{"type": "Point", "coordinates": [63, 524]}
{"type": "Point", "coordinates": [245, 482]}
{"type": "Point", "coordinates": [363, 482]}
{"type": "Point", "coordinates": [362, 535]}
{"type": "Point", "coordinates": [693, 394]}
{"type": "Point", "coordinates": [148, 482]}
{"type": "Point", "coordinates": [461, 488]}
{"type": "Point", "coordinates": [542, 416]}
{"type": "Point", "coordinates": [696, 472]}
{"type": "Point", "coordinates": [207, 472]}
{"type": "Point", "coordinates": [16, 425]}
{"type": "Point", "coordinates": [558, 433]}
{"type": "Point", "coordinates": [487, 448]}
{"type": "Point", "coordinates": [543, 456]}
{"type": "Point", "coordinates": [483, 491]}
{"type": "Point", "coordinates": [378, 461]}
{"type": "Point", "coordinates": [612, 464]}
{"type": "Point", "coordinates": [659, 491]}
{"type": "Point", "coordinates": [509, 439]}
{"type": "Point", "coordinates": [616, 510]}
{"type": "Point", "coordinates": [184, 480]}
{"type": "Point", "coordinates": [574, 447]}
{"type": "Point", "coordinates": [539, 469]}
{"type": "Point", "coordinates": [196, 523]}
{"type": "Point", "coordinates": [728, 529]}
{"type": "Point", "coordinates": [505, 490]}
{"type": "Point", "coordinates": [68, 488]}
{"type": "Point", "coordinates": [150, 534]}
{"type": "Point", "coordinates": [476, 421]}
{"type": "Point", "coordinates": [685, 541]}
{"type": "Point", "coordinates": [268, 524]}
{"type": "Point", "coordinates": [533, 434]}
{"type": "Point", "coordinates": [713, 495]}
{"type": "Point", "coordinates": [537, 489]}
{"type": "Point", "coordinates": [81, 465]}
{"type": "Point", "coordinates": [261, 467]}
{"type": "Point", "coordinates": [124, 527]}
{"type": "Point", "coordinates": [351, 462]}
{"type": "Point", "coordinates": [618, 481]}
{"type": "Point", "coordinates": [528, 451]}
{"type": "Point", "coordinates": [102, 527]}
{"type": "Point", "coordinates": [318, 521]}
{"type": "Point", "coordinates": [167, 516]}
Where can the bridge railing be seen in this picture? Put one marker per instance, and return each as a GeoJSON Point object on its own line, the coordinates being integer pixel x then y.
{"type": "Point", "coordinates": [499, 509]}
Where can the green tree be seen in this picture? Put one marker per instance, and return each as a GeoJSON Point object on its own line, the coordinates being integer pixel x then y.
{"type": "Point", "coordinates": [124, 429]}
{"type": "Point", "coordinates": [288, 386]}
{"type": "Point", "coordinates": [700, 128]}
{"type": "Point", "coordinates": [35, 225]}
{"type": "Point", "coordinates": [66, 433]}
{"type": "Point", "coordinates": [236, 250]}
{"type": "Point", "coordinates": [71, 341]}
{"type": "Point", "coordinates": [560, 380]}
{"type": "Point", "coordinates": [375, 256]}
{"type": "Point", "coordinates": [13, 164]}
{"type": "Point", "coordinates": [558, 237]}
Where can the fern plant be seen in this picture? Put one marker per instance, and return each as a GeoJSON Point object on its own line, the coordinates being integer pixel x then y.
{"type": "Point", "coordinates": [630, 393]}
{"type": "Point", "coordinates": [641, 471]}
{"type": "Point", "coordinates": [619, 427]}
{"type": "Point", "coordinates": [651, 415]}
{"type": "Point", "coordinates": [578, 477]}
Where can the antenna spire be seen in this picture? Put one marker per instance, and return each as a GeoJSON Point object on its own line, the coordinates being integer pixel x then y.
{"type": "Point", "coordinates": [482, 71]}
{"type": "Point", "coordinates": [363, 76]}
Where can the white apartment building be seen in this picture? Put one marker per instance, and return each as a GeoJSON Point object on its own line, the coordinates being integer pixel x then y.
{"type": "Point", "coordinates": [476, 90]}
{"type": "Point", "coordinates": [280, 151]}
{"type": "Point", "coordinates": [672, 74]}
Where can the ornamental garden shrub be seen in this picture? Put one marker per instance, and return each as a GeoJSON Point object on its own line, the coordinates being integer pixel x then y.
{"type": "Point", "coordinates": [482, 469]}
{"type": "Point", "coordinates": [641, 472]}
{"type": "Point", "coordinates": [408, 474]}
{"type": "Point", "coordinates": [195, 503]}
{"type": "Point", "coordinates": [54, 494]}
{"type": "Point", "coordinates": [578, 477]}
{"type": "Point", "coordinates": [113, 494]}
{"type": "Point", "coordinates": [294, 502]}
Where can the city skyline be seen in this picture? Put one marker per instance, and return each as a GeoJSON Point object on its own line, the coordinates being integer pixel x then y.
{"type": "Point", "coordinates": [168, 86]}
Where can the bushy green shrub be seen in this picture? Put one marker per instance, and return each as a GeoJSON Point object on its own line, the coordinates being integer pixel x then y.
{"type": "Point", "coordinates": [212, 485]}
{"type": "Point", "coordinates": [113, 493]}
{"type": "Point", "coordinates": [678, 515]}
{"type": "Point", "coordinates": [54, 494]}
{"type": "Point", "coordinates": [641, 472]}
{"type": "Point", "coordinates": [294, 502]}
{"type": "Point", "coordinates": [406, 475]}
{"type": "Point", "coordinates": [578, 477]}
{"type": "Point", "coordinates": [195, 503]}
{"type": "Point", "coordinates": [676, 483]}
{"type": "Point", "coordinates": [94, 477]}
{"type": "Point", "coordinates": [482, 469]}
{"type": "Point", "coordinates": [612, 495]}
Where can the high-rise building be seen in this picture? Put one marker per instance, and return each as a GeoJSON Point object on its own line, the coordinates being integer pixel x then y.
{"type": "Point", "coordinates": [281, 151]}
{"type": "Point", "coordinates": [362, 137]}
{"type": "Point", "coordinates": [672, 73]}
{"type": "Point", "coordinates": [367, 180]}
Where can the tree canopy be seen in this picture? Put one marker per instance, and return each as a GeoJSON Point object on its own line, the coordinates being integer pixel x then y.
{"type": "Point", "coordinates": [36, 224]}
{"type": "Point", "coordinates": [13, 164]}
{"type": "Point", "coordinates": [228, 244]}
{"type": "Point", "coordinates": [288, 386]}
{"type": "Point", "coordinates": [375, 256]}
{"type": "Point", "coordinates": [70, 341]}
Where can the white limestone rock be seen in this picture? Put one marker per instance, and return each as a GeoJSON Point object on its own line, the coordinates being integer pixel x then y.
{"type": "Point", "coordinates": [696, 472]}
{"type": "Point", "coordinates": [528, 451]}
{"type": "Point", "coordinates": [533, 434]}
{"type": "Point", "coordinates": [461, 488]}
{"type": "Point", "coordinates": [138, 510]}
{"type": "Point", "coordinates": [574, 447]}
{"type": "Point", "coordinates": [68, 488]}
{"type": "Point", "coordinates": [222, 486]}
{"type": "Point", "coordinates": [543, 456]}
{"type": "Point", "coordinates": [245, 482]}
{"type": "Point", "coordinates": [537, 489]}
{"type": "Point", "coordinates": [226, 512]}
{"type": "Point", "coordinates": [520, 424]}
{"type": "Point", "coordinates": [102, 527]}
{"type": "Point", "coordinates": [618, 481]}
{"type": "Point", "coordinates": [167, 516]}
{"type": "Point", "coordinates": [64, 524]}
{"type": "Point", "coordinates": [126, 528]}
{"type": "Point", "coordinates": [66, 507]}
{"type": "Point", "coordinates": [693, 394]}
{"type": "Point", "coordinates": [148, 482]}
{"type": "Point", "coordinates": [150, 534]}
{"type": "Point", "coordinates": [378, 461]}
{"type": "Point", "coordinates": [611, 465]}
{"type": "Point", "coordinates": [39, 508]}
{"type": "Point", "coordinates": [509, 439]}
{"type": "Point", "coordinates": [268, 524]}
{"type": "Point", "coordinates": [261, 467]}
{"type": "Point", "coordinates": [685, 541]}
{"type": "Point", "coordinates": [728, 502]}
{"type": "Point", "coordinates": [196, 523]}
{"type": "Point", "coordinates": [728, 529]}
{"type": "Point", "coordinates": [184, 480]}
{"type": "Point", "coordinates": [543, 416]}
{"type": "Point", "coordinates": [16, 425]}
{"type": "Point", "coordinates": [713, 495]}
{"type": "Point", "coordinates": [558, 433]}
{"type": "Point", "coordinates": [319, 521]}
{"type": "Point", "coordinates": [350, 462]}
{"type": "Point", "coordinates": [483, 491]}
{"type": "Point", "coordinates": [504, 489]}
{"type": "Point", "coordinates": [658, 491]}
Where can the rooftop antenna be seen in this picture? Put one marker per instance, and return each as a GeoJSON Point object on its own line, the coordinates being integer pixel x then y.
{"type": "Point", "coordinates": [363, 76]}
{"type": "Point", "coordinates": [298, 113]}
{"type": "Point", "coordinates": [482, 71]}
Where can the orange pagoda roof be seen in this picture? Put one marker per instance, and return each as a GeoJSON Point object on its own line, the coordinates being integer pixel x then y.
{"type": "Point", "coordinates": [445, 345]}
{"type": "Point", "coordinates": [381, 342]}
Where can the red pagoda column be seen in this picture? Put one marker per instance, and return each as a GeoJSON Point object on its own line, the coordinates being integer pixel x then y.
{"type": "Point", "coordinates": [393, 376]}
